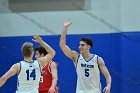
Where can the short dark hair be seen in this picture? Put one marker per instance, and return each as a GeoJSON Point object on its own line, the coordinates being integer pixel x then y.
{"type": "Point", "coordinates": [87, 41]}
{"type": "Point", "coordinates": [27, 49]}
{"type": "Point", "coordinates": [41, 50]}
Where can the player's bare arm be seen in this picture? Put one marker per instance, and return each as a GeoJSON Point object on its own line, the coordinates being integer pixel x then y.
{"type": "Point", "coordinates": [13, 70]}
{"type": "Point", "coordinates": [67, 51]}
{"type": "Point", "coordinates": [106, 74]}
{"type": "Point", "coordinates": [51, 52]}
{"type": "Point", "coordinates": [53, 67]}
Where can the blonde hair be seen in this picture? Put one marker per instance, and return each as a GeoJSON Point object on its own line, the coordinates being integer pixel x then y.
{"type": "Point", "coordinates": [27, 49]}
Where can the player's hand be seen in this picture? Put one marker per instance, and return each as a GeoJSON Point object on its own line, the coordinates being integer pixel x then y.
{"type": "Point", "coordinates": [37, 38]}
{"type": "Point", "coordinates": [106, 89]}
{"type": "Point", "coordinates": [68, 22]}
{"type": "Point", "coordinates": [51, 90]}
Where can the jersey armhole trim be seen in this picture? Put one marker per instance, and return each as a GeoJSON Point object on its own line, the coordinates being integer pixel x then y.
{"type": "Point", "coordinates": [49, 66]}
{"type": "Point", "coordinates": [39, 67]}
{"type": "Point", "coordinates": [77, 60]}
{"type": "Point", "coordinates": [98, 63]}
{"type": "Point", "coordinates": [19, 69]}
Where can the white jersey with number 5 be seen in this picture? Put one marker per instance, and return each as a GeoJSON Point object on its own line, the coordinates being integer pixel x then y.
{"type": "Point", "coordinates": [28, 77]}
{"type": "Point", "coordinates": [88, 75]}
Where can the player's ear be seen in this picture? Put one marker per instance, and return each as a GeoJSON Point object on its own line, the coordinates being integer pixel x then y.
{"type": "Point", "coordinates": [89, 47]}
{"type": "Point", "coordinates": [32, 52]}
{"type": "Point", "coordinates": [42, 55]}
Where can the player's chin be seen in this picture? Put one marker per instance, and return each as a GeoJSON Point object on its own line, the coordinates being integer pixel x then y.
{"type": "Point", "coordinates": [81, 52]}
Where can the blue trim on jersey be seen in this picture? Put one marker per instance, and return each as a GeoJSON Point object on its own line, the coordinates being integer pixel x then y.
{"type": "Point", "coordinates": [18, 74]}
{"type": "Point", "coordinates": [17, 84]}
{"type": "Point", "coordinates": [97, 59]}
{"type": "Point", "coordinates": [29, 62]}
{"type": "Point", "coordinates": [98, 63]}
{"type": "Point", "coordinates": [89, 59]}
{"type": "Point", "coordinates": [77, 60]}
{"type": "Point", "coordinates": [20, 68]}
{"type": "Point", "coordinates": [39, 67]}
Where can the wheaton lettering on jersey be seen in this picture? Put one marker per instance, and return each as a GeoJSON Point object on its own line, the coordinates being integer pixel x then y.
{"type": "Point", "coordinates": [87, 66]}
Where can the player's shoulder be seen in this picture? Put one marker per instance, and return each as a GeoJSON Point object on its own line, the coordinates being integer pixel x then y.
{"type": "Point", "coordinates": [75, 53]}
{"type": "Point", "coordinates": [53, 63]}
{"type": "Point", "coordinates": [17, 64]}
{"type": "Point", "coordinates": [100, 59]}
{"type": "Point", "coordinates": [37, 61]}
{"type": "Point", "coordinates": [96, 55]}
{"type": "Point", "coordinates": [16, 67]}
{"type": "Point", "coordinates": [75, 56]}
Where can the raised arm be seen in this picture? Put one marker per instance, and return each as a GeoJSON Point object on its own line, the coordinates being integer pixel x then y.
{"type": "Point", "coordinates": [106, 74]}
{"type": "Point", "coordinates": [13, 70]}
{"type": "Point", "coordinates": [66, 50]}
{"type": "Point", "coordinates": [51, 52]}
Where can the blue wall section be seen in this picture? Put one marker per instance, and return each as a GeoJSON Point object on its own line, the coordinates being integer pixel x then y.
{"type": "Point", "coordinates": [130, 58]}
{"type": "Point", "coordinates": [120, 52]}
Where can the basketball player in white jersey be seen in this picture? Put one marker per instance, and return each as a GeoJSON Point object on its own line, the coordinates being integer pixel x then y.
{"type": "Point", "coordinates": [28, 70]}
{"type": "Point", "coordinates": [88, 66]}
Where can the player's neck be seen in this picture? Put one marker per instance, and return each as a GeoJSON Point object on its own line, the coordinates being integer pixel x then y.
{"type": "Point", "coordinates": [28, 59]}
{"type": "Point", "coordinates": [86, 55]}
